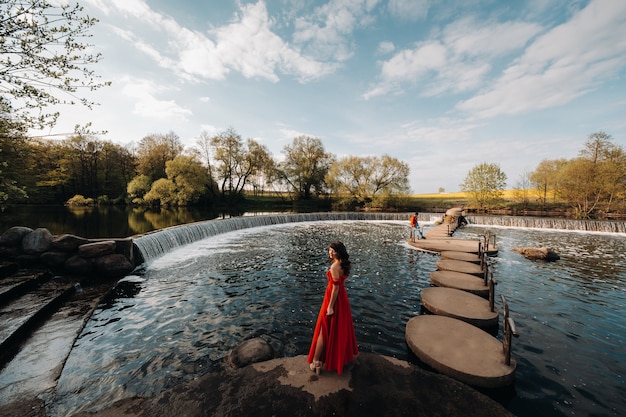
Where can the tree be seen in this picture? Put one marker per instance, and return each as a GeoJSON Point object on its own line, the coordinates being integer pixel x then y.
{"type": "Point", "coordinates": [203, 151]}
{"type": "Point", "coordinates": [43, 53]}
{"type": "Point", "coordinates": [13, 159]}
{"type": "Point", "coordinates": [578, 185]}
{"type": "Point", "coordinates": [236, 162]}
{"type": "Point", "coordinates": [545, 178]}
{"type": "Point", "coordinates": [363, 179]}
{"type": "Point", "coordinates": [521, 192]}
{"type": "Point", "coordinates": [162, 192]}
{"type": "Point", "coordinates": [485, 184]}
{"type": "Point", "coordinates": [138, 187]}
{"type": "Point", "coordinates": [189, 177]}
{"type": "Point", "coordinates": [154, 151]}
{"type": "Point", "coordinates": [596, 176]}
{"type": "Point", "coordinates": [305, 166]}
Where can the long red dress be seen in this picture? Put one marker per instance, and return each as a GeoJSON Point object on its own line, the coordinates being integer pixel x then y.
{"type": "Point", "coordinates": [338, 330]}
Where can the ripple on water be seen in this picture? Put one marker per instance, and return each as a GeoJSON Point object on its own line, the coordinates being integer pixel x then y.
{"type": "Point", "coordinates": [183, 315]}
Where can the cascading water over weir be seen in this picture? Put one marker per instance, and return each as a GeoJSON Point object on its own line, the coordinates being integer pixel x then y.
{"type": "Point", "coordinates": [156, 244]}
{"type": "Point", "coordinates": [604, 226]}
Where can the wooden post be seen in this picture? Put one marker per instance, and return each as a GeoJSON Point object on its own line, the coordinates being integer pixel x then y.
{"type": "Point", "coordinates": [509, 331]}
{"type": "Point", "coordinates": [492, 293]}
{"type": "Point", "coordinates": [485, 272]}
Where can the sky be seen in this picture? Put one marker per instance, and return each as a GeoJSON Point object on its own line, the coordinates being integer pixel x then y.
{"type": "Point", "coordinates": [440, 85]}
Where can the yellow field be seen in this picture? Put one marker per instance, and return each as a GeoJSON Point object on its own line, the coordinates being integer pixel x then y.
{"type": "Point", "coordinates": [460, 195]}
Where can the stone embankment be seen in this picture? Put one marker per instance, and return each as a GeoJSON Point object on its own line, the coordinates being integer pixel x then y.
{"type": "Point", "coordinates": [67, 254]}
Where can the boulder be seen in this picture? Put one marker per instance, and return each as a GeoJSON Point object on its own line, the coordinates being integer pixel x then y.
{"type": "Point", "coordinates": [37, 241]}
{"type": "Point", "coordinates": [93, 250]}
{"type": "Point", "coordinates": [78, 265]}
{"type": "Point", "coordinates": [14, 236]}
{"type": "Point", "coordinates": [249, 352]}
{"type": "Point", "coordinates": [113, 265]}
{"type": "Point", "coordinates": [54, 258]}
{"type": "Point", "coordinates": [544, 254]}
{"type": "Point", "coordinates": [67, 242]}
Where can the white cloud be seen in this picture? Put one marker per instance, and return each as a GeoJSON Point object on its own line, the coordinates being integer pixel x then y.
{"type": "Point", "coordinates": [326, 34]}
{"type": "Point", "coordinates": [246, 45]}
{"type": "Point", "coordinates": [147, 105]}
{"type": "Point", "coordinates": [563, 64]}
{"type": "Point", "coordinates": [469, 38]}
{"type": "Point", "coordinates": [409, 9]}
{"type": "Point", "coordinates": [459, 61]}
{"type": "Point", "coordinates": [385, 48]}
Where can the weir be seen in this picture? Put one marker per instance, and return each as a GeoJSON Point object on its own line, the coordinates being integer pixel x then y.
{"type": "Point", "coordinates": [153, 245]}
{"type": "Point", "coordinates": [605, 226]}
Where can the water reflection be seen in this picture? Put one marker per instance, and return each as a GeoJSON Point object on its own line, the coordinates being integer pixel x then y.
{"type": "Point", "coordinates": [188, 309]}
{"type": "Point", "coordinates": [104, 221]}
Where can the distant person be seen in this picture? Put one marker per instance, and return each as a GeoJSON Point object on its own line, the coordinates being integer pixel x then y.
{"type": "Point", "coordinates": [334, 340]}
{"type": "Point", "coordinates": [415, 227]}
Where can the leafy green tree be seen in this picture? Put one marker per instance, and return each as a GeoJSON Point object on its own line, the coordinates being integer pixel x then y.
{"type": "Point", "coordinates": [117, 168]}
{"type": "Point", "coordinates": [591, 181]}
{"type": "Point", "coordinates": [260, 166]}
{"type": "Point", "coordinates": [138, 187]}
{"type": "Point", "coordinates": [13, 159]}
{"type": "Point", "coordinates": [203, 151]}
{"type": "Point", "coordinates": [485, 184]}
{"type": "Point", "coordinates": [236, 162]}
{"type": "Point", "coordinates": [189, 177]}
{"type": "Point", "coordinates": [363, 179]}
{"type": "Point", "coordinates": [84, 153]}
{"type": "Point", "coordinates": [614, 177]}
{"type": "Point", "coordinates": [43, 54]}
{"type": "Point", "coordinates": [305, 166]}
{"type": "Point", "coordinates": [163, 192]}
{"type": "Point", "coordinates": [545, 178]}
{"type": "Point", "coordinates": [51, 166]}
{"type": "Point", "coordinates": [154, 151]}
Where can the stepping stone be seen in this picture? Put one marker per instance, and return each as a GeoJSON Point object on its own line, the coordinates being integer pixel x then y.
{"type": "Point", "coordinates": [460, 350]}
{"type": "Point", "coordinates": [460, 266]}
{"type": "Point", "coordinates": [460, 305]}
{"type": "Point", "coordinates": [461, 256]}
{"type": "Point", "coordinates": [460, 281]}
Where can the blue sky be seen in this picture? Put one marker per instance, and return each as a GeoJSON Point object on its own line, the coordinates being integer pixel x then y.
{"type": "Point", "coordinates": [440, 85]}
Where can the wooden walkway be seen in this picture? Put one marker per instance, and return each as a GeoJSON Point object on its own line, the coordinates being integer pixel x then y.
{"type": "Point", "coordinates": [439, 238]}
{"type": "Point", "coordinates": [453, 339]}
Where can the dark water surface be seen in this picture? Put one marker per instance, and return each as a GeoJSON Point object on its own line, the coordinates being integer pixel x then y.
{"type": "Point", "coordinates": [181, 316]}
{"type": "Point", "coordinates": [96, 222]}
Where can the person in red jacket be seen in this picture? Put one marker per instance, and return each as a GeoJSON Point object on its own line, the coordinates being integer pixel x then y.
{"type": "Point", "coordinates": [415, 227]}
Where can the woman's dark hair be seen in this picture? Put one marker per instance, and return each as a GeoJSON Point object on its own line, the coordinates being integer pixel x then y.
{"type": "Point", "coordinates": [342, 254]}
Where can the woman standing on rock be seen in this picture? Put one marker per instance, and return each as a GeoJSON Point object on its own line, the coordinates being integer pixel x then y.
{"type": "Point", "coordinates": [334, 339]}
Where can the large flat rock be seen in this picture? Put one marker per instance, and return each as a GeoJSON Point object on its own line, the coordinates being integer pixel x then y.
{"type": "Point", "coordinates": [460, 350]}
{"type": "Point", "coordinates": [461, 305]}
{"type": "Point", "coordinates": [460, 281]}
{"type": "Point", "coordinates": [460, 266]}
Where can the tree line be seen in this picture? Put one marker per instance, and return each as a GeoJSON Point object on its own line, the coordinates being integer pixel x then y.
{"type": "Point", "coordinates": [591, 185]}
{"type": "Point", "coordinates": [160, 171]}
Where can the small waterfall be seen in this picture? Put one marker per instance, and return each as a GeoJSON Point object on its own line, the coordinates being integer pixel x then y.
{"type": "Point", "coordinates": [156, 244]}
{"type": "Point", "coordinates": [606, 226]}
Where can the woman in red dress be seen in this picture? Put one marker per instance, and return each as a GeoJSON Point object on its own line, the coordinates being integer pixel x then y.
{"type": "Point", "coordinates": [334, 339]}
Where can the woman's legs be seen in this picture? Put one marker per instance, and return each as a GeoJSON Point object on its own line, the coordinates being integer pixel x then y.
{"type": "Point", "coordinates": [319, 347]}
